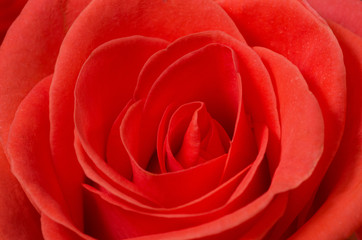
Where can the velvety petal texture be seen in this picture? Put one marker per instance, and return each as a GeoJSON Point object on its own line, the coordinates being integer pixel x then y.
{"type": "Point", "coordinates": [348, 13]}
{"type": "Point", "coordinates": [39, 30]}
{"type": "Point", "coordinates": [15, 208]}
{"type": "Point", "coordinates": [342, 183]}
{"type": "Point", "coordinates": [37, 174]}
{"type": "Point", "coordinates": [181, 119]}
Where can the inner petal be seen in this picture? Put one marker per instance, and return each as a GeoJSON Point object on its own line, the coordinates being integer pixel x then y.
{"type": "Point", "coordinates": [207, 75]}
{"type": "Point", "coordinates": [194, 137]}
{"type": "Point", "coordinates": [189, 153]}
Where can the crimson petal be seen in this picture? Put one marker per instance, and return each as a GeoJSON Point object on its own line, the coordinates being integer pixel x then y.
{"type": "Point", "coordinates": [18, 218]}
{"type": "Point", "coordinates": [31, 159]}
{"type": "Point", "coordinates": [340, 214]}
{"type": "Point", "coordinates": [105, 85]}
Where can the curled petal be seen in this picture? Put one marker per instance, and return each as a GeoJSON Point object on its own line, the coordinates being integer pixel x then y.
{"type": "Point", "coordinates": [104, 87]}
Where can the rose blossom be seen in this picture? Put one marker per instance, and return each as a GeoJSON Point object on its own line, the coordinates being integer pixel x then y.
{"type": "Point", "coordinates": [170, 119]}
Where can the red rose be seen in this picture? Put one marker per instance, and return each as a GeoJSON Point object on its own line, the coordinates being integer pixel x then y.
{"type": "Point", "coordinates": [170, 119]}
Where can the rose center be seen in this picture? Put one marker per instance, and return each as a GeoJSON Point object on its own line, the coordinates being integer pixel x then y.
{"type": "Point", "coordinates": [193, 137]}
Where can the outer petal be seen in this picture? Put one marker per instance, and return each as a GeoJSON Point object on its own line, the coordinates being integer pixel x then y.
{"type": "Point", "coordinates": [281, 26]}
{"type": "Point", "coordinates": [291, 29]}
{"type": "Point", "coordinates": [348, 13]}
{"type": "Point", "coordinates": [296, 108]}
{"type": "Point", "coordinates": [18, 218]}
{"type": "Point", "coordinates": [29, 51]}
{"type": "Point", "coordinates": [341, 214]}
{"type": "Point", "coordinates": [28, 55]}
{"type": "Point", "coordinates": [31, 160]}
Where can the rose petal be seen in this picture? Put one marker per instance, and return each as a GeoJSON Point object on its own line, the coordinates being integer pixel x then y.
{"type": "Point", "coordinates": [172, 164]}
{"type": "Point", "coordinates": [192, 137]}
{"type": "Point", "coordinates": [117, 62]}
{"type": "Point", "coordinates": [175, 136]}
{"type": "Point", "coordinates": [297, 34]}
{"type": "Point", "coordinates": [257, 179]}
{"type": "Point", "coordinates": [180, 47]}
{"type": "Point", "coordinates": [267, 219]}
{"type": "Point", "coordinates": [340, 214]}
{"type": "Point", "coordinates": [108, 221]}
{"type": "Point", "coordinates": [20, 70]}
{"type": "Point", "coordinates": [105, 85]}
{"type": "Point", "coordinates": [254, 75]}
{"type": "Point", "coordinates": [18, 218]}
{"type": "Point", "coordinates": [189, 145]}
{"type": "Point", "coordinates": [116, 156]}
{"type": "Point", "coordinates": [180, 186]}
{"type": "Point", "coordinates": [29, 52]}
{"type": "Point", "coordinates": [242, 146]}
{"type": "Point", "coordinates": [111, 182]}
{"type": "Point", "coordinates": [301, 146]}
{"type": "Point", "coordinates": [109, 218]}
{"type": "Point", "coordinates": [110, 213]}
{"type": "Point", "coordinates": [216, 202]}
{"type": "Point", "coordinates": [31, 160]}
{"type": "Point", "coordinates": [301, 120]}
{"type": "Point", "coordinates": [347, 13]}
{"type": "Point", "coordinates": [321, 64]}
{"type": "Point", "coordinates": [229, 227]}
{"type": "Point", "coordinates": [55, 231]}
